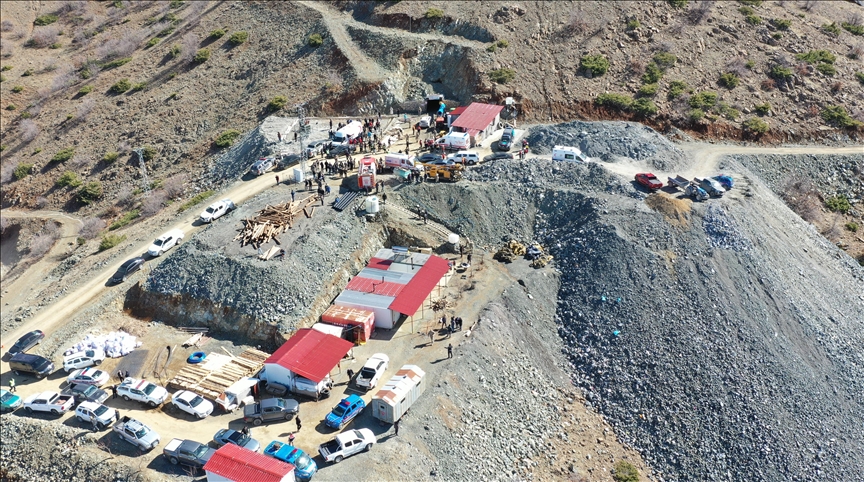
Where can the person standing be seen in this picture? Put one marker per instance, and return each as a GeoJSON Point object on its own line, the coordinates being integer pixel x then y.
{"type": "Point", "coordinates": [291, 438]}
{"type": "Point", "coordinates": [95, 425]}
{"type": "Point", "coordinates": [113, 391]}
{"type": "Point", "coordinates": [450, 350]}
{"type": "Point", "coordinates": [117, 415]}
{"type": "Point", "coordinates": [279, 134]}
{"type": "Point", "coordinates": [245, 430]}
{"type": "Point", "coordinates": [297, 419]}
{"type": "Point", "coordinates": [127, 372]}
{"type": "Point", "coordinates": [292, 195]}
{"type": "Point", "coordinates": [12, 385]}
{"type": "Point", "coordinates": [431, 337]}
{"type": "Point", "coordinates": [396, 428]}
{"type": "Point", "coordinates": [120, 375]}
{"type": "Point", "coordinates": [384, 198]}
{"type": "Point", "coordinates": [277, 180]}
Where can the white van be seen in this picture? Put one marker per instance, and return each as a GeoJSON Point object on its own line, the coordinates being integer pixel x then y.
{"type": "Point", "coordinates": [454, 141]}
{"type": "Point", "coordinates": [469, 158]}
{"type": "Point", "coordinates": [348, 132]}
{"type": "Point", "coordinates": [567, 153]}
{"type": "Point", "coordinates": [394, 161]}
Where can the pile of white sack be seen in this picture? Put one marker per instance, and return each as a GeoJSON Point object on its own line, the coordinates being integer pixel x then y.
{"type": "Point", "coordinates": [115, 344]}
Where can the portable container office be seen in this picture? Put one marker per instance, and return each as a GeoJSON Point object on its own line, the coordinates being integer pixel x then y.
{"type": "Point", "coordinates": [398, 394]}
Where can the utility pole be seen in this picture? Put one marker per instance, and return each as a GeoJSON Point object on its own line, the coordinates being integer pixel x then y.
{"type": "Point", "coordinates": [144, 177]}
{"type": "Point", "coordinates": [302, 134]}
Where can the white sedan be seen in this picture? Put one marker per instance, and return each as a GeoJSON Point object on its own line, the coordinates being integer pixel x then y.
{"type": "Point", "coordinates": [192, 403]}
{"type": "Point", "coordinates": [89, 376]}
{"type": "Point", "coordinates": [216, 210]}
{"type": "Point", "coordinates": [165, 242]}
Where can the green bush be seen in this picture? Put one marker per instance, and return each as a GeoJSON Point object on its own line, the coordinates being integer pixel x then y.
{"type": "Point", "coordinates": [753, 19]}
{"type": "Point", "coordinates": [860, 76]}
{"type": "Point", "coordinates": [55, 45]}
{"type": "Point", "coordinates": [434, 13]}
{"type": "Point", "coordinates": [26, 115]}
{"type": "Point", "coordinates": [703, 100]}
{"type": "Point", "coordinates": [757, 125]}
{"type": "Point", "coordinates": [116, 63]}
{"type": "Point", "coordinates": [503, 43]}
{"type": "Point", "coordinates": [22, 170]}
{"type": "Point", "coordinates": [831, 29]}
{"type": "Point", "coordinates": [85, 90]}
{"type": "Point", "coordinates": [148, 153]}
{"type": "Point", "coordinates": [197, 199]}
{"type": "Point", "coordinates": [762, 109]}
{"type": "Point", "coordinates": [625, 472]}
{"type": "Point", "coordinates": [852, 28]}
{"type": "Point", "coordinates": [68, 178]}
{"type": "Point", "coordinates": [633, 24]}
{"type": "Point", "coordinates": [727, 111]}
{"type": "Point", "coordinates": [838, 204]}
{"type": "Point", "coordinates": [125, 220]}
{"type": "Point", "coordinates": [18, 88]}
{"type": "Point", "coordinates": [45, 20]}
{"type": "Point", "coordinates": [836, 115]}
{"type": "Point", "coordinates": [11, 107]}
{"type": "Point", "coordinates": [315, 40]}
{"type": "Point", "coordinates": [596, 64]}
{"type": "Point", "coordinates": [729, 80]}
{"type": "Point", "coordinates": [750, 64]}
{"type": "Point", "coordinates": [678, 3]}
{"type": "Point", "coordinates": [121, 86]}
{"type": "Point", "coordinates": [502, 76]}
{"type": "Point", "coordinates": [752, 3]}
{"type": "Point", "coordinates": [110, 157]}
{"type": "Point", "coordinates": [780, 72]}
{"type": "Point", "coordinates": [90, 192]}
{"type": "Point", "coordinates": [648, 90]}
{"type": "Point", "coordinates": [175, 4]}
{"type": "Point", "coordinates": [27, 73]}
{"type": "Point", "coordinates": [218, 33]}
{"type": "Point", "coordinates": [665, 60]}
{"type": "Point", "coordinates": [238, 38]}
{"type": "Point", "coordinates": [153, 41]}
{"type": "Point", "coordinates": [63, 155]}
{"type": "Point", "coordinates": [653, 73]}
{"type": "Point", "coordinates": [277, 103]}
{"type": "Point", "coordinates": [37, 150]}
{"type": "Point", "coordinates": [817, 56]}
{"type": "Point", "coordinates": [174, 52]}
{"type": "Point", "coordinates": [776, 35]}
{"type": "Point", "coordinates": [6, 67]}
{"type": "Point", "coordinates": [226, 138]}
{"type": "Point", "coordinates": [696, 114]}
{"type": "Point", "coordinates": [644, 107]}
{"type": "Point", "coordinates": [852, 226]}
{"type": "Point", "coordinates": [201, 56]}
{"type": "Point", "coordinates": [746, 11]}
{"type": "Point", "coordinates": [3, 77]}
{"type": "Point", "coordinates": [139, 86]}
{"type": "Point", "coordinates": [110, 240]}
{"type": "Point", "coordinates": [827, 69]}
{"type": "Point", "coordinates": [782, 23]}
{"type": "Point", "coordinates": [617, 101]}
{"type": "Point", "coordinates": [492, 48]}
{"type": "Point", "coordinates": [676, 88]}
{"type": "Point", "coordinates": [166, 31]}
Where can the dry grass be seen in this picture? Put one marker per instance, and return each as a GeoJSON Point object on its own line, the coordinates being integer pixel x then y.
{"type": "Point", "coordinates": [91, 227]}
{"type": "Point", "coordinates": [676, 211]}
{"type": "Point", "coordinates": [801, 196]}
{"type": "Point", "coordinates": [28, 130]}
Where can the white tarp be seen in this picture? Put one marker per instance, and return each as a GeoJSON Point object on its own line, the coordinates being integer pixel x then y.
{"type": "Point", "coordinates": [115, 344]}
{"type": "Point", "coordinates": [329, 329]}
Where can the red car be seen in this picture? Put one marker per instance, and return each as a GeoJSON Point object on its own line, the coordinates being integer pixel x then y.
{"type": "Point", "coordinates": [648, 180]}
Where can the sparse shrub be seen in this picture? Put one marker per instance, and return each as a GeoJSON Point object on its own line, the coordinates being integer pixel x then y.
{"type": "Point", "coordinates": [837, 115]}
{"type": "Point", "coordinates": [175, 4]}
{"type": "Point", "coordinates": [238, 38]}
{"type": "Point", "coordinates": [817, 56]}
{"type": "Point", "coordinates": [729, 80]}
{"type": "Point", "coordinates": [116, 63]}
{"type": "Point", "coordinates": [121, 86]}
{"type": "Point", "coordinates": [148, 153]}
{"type": "Point", "coordinates": [752, 3]}
{"type": "Point", "coordinates": [68, 178]}
{"type": "Point", "coordinates": [831, 29]}
{"type": "Point", "coordinates": [653, 73]}
{"type": "Point", "coordinates": [277, 103]}
{"type": "Point", "coordinates": [226, 138]}
{"type": "Point", "coordinates": [11, 107]}
{"type": "Point", "coordinates": [7, 26]}
{"type": "Point", "coordinates": [636, 67]}
{"type": "Point", "coordinates": [762, 109]}
{"type": "Point", "coordinates": [860, 76]}
{"type": "Point", "coordinates": [780, 72]}
{"type": "Point", "coordinates": [28, 130]}
{"type": "Point", "coordinates": [91, 227]}
{"type": "Point", "coordinates": [746, 11]}
{"type": "Point", "coordinates": [217, 34]}
{"type": "Point", "coordinates": [826, 69]}
{"type": "Point", "coordinates": [838, 204]}
{"type": "Point", "coordinates": [782, 23]}
{"type": "Point", "coordinates": [43, 37]}
{"type": "Point", "coordinates": [6, 67]}
{"type": "Point", "coordinates": [197, 199]}
{"type": "Point", "coordinates": [139, 86]}
{"type": "Point", "coordinates": [776, 35]}
{"type": "Point", "coordinates": [174, 52]}
{"type": "Point", "coordinates": [502, 76]}
{"type": "Point", "coordinates": [768, 84]}
{"type": "Point", "coordinates": [125, 220]}
{"type": "Point", "coordinates": [596, 64]}
{"type": "Point", "coordinates": [27, 73]}
{"type": "Point", "coordinates": [648, 90]}
{"type": "Point", "coordinates": [201, 56]}
{"type": "Point", "coordinates": [90, 192]}
{"type": "Point", "coordinates": [616, 101]}
{"type": "Point", "coordinates": [85, 90]}
{"type": "Point", "coordinates": [753, 19]}
{"type": "Point", "coordinates": [703, 100]}
{"type": "Point", "coordinates": [700, 11]}
{"type": "Point", "coordinates": [63, 155]}
{"type": "Point", "coordinates": [852, 28]}
{"type": "Point", "coordinates": [696, 114]}
{"type": "Point", "coordinates": [45, 20]}
{"type": "Point", "coordinates": [153, 203]}
{"type": "Point", "coordinates": [315, 40]}
{"type": "Point", "coordinates": [852, 226]}
{"type": "Point", "coordinates": [644, 107]}
{"type": "Point", "coordinates": [434, 14]}
{"type": "Point", "coordinates": [503, 43]}
{"type": "Point", "coordinates": [175, 186]}
{"type": "Point", "coordinates": [856, 52]}
{"type": "Point", "coordinates": [678, 3]}
{"type": "Point", "coordinates": [749, 64]}
{"type": "Point", "coordinates": [492, 48]}
{"type": "Point", "coordinates": [633, 24]}
{"type": "Point", "coordinates": [625, 472]}
{"type": "Point", "coordinates": [18, 88]}
{"type": "Point", "coordinates": [727, 111]}
{"type": "Point", "coordinates": [22, 170]}
{"type": "Point", "coordinates": [37, 150]}
{"type": "Point", "coordinates": [110, 157]}
{"type": "Point", "coordinates": [665, 60]}
{"type": "Point", "coordinates": [42, 243]}
{"type": "Point", "coordinates": [757, 125]}
{"type": "Point", "coordinates": [153, 41]}
{"type": "Point", "coordinates": [110, 240]}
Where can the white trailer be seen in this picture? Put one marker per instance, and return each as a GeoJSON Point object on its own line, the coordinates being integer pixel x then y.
{"type": "Point", "coordinates": [398, 394]}
{"type": "Point", "coordinates": [348, 132]}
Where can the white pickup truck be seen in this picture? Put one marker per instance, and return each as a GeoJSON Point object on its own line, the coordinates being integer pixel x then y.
{"type": "Point", "coordinates": [49, 402]}
{"type": "Point", "coordinates": [347, 444]}
{"type": "Point", "coordinates": [142, 391]}
{"type": "Point", "coordinates": [136, 433]}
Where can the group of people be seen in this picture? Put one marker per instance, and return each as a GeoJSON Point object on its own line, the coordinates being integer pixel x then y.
{"type": "Point", "coordinates": [455, 324]}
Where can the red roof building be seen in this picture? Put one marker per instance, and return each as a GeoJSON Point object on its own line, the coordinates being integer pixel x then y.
{"type": "Point", "coordinates": [478, 120]}
{"type": "Point", "coordinates": [309, 354]}
{"type": "Point", "coordinates": [235, 464]}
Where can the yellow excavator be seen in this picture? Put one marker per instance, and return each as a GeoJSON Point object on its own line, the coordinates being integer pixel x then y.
{"type": "Point", "coordinates": [444, 173]}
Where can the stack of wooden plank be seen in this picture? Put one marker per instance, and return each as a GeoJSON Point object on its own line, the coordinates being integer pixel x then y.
{"type": "Point", "coordinates": [218, 372]}
{"type": "Point", "coordinates": [275, 220]}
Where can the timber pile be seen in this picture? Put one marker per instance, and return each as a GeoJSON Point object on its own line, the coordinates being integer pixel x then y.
{"type": "Point", "coordinates": [275, 220]}
{"type": "Point", "coordinates": [218, 372]}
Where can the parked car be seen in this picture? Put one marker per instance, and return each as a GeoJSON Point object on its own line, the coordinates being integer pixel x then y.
{"type": "Point", "coordinates": [314, 148]}
{"type": "Point", "coordinates": [9, 402]}
{"type": "Point", "coordinates": [425, 122]}
{"type": "Point", "coordinates": [83, 359]}
{"type": "Point", "coordinates": [304, 466]}
{"type": "Point", "coordinates": [725, 180]}
{"type": "Point", "coordinates": [345, 411]}
{"type": "Point", "coordinates": [49, 402]}
{"type": "Point", "coordinates": [270, 409]}
{"type": "Point", "coordinates": [347, 444]}
{"type": "Point", "coordinates": [443, 162]}
{"type": "Point", "coordinates": [192, 403]}
{"type": "Point", "coordinates": [711, 186]}
{"type": "Point", "coordinates": [89, 376]}
{"type": "Point", "coordinates": [649, 180]}
{"type": "Point", "coordinates": [86, 412]}
{"type": "Point", "coordinates": [142, 391]}
{"type": "Point", "coordinates": [496, 156]}
{"type": "Point", "coordinates": [469, 158]}
{"type": "Point", "coordinates": [228, 436]}
{"type": "Point", "coordinates": [506, 141]}
{"type": "Point", "coordinates": [38, 366]}
{"type": "Point", "coordinates": [26, 342]}
{"type": "Point", "coordinates": [217, 210]}
{"type": "Point", "coordinates": [289, 160]}
{"type": "Point", "coordinates": [165, 242]}
{"type": "Point", "coordinates": [263, 166]}
{"type": "Point", "coordinates": [340, 150]}
{"type": "Point", "coordinates": [429, 158]}
{"type": "Point", "coordinates": [86, 393]}
{"type": "Point", "coordinates": [136, 433]}
{"type": "Point", "coordinates": [127, 269]}
{"type": "Point", "coordinates": [372, 371]}
{"type": "Point", "coordinates": [187, 452]}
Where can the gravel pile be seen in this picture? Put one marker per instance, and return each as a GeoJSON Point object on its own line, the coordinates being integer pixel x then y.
{"type": "Point", "coordinates": [609, 141]}
{"type": "Point", "coordinates": [721, 230]}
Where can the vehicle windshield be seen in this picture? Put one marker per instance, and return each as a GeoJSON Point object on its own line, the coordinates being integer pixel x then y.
{"type": "Point", "coordinates": [303, 462]}
{"type": "Point", "coordinates": [238, 438]}
{"type": "Point", "coordinates": [6, 397]}
{"type": "Point", "coordinates": [340, 409]}
{"type": "Point", "coordinates": [149, 388]}
{"type": "Point", "coordinates": [281, 403]}
{"type": "Point", "coordinates": [100, 410]}
{"type": "Point", "coordinates": [210, 209]}
{"type": "Point", "coordinates": [196, 401]}
{"type": "Point", "coordinates": [158, 242]}
{"type": "Point", "coordinates": [141, 432]}
{"type": "Point", "coordinates": [89, 390]}
{"type": "Point", "coordinates": [43, 365]}
{"type": "Point", "coordinates": [367, 373]}
{"type": "Point", "coordinates": [201, 451]}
